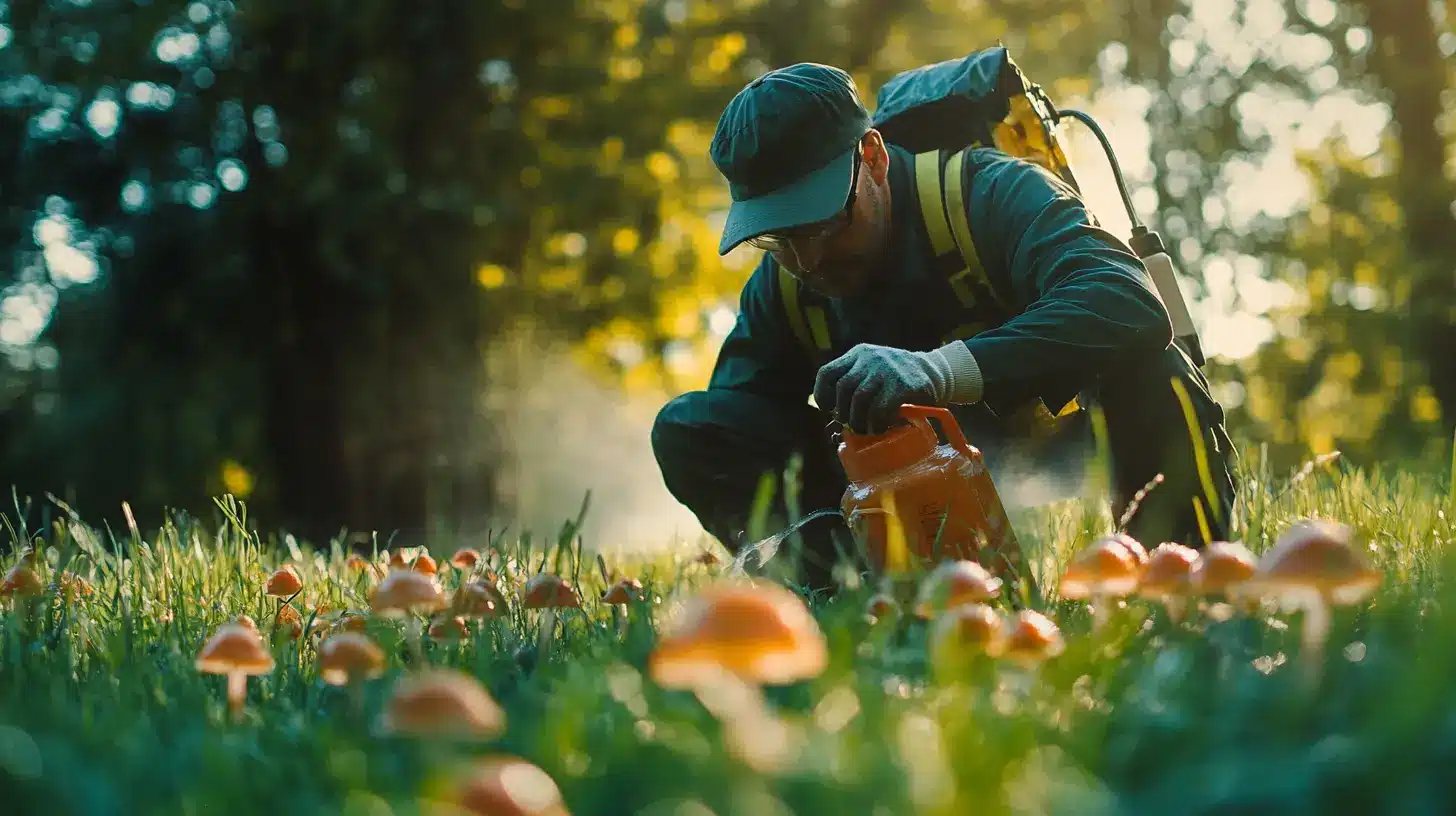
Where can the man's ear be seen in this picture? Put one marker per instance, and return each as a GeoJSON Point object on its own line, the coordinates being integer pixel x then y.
{"type": "Point", "coordinates": [876, 156]}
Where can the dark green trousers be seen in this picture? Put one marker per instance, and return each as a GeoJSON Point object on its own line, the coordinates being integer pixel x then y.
{"type": "Point", "coordinates": [713, 447]}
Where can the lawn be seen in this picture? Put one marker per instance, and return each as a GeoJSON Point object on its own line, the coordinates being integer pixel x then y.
{"type": "Point", "coordinates": [103, 709]}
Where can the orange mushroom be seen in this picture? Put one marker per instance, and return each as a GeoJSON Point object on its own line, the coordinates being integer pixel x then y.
{"type": "Point", "coordinates": [351, 622]}
{"type": "Point", "coordinates": [1167, 577]}
{"type": "Point", "coordinates": [1107, 568]}
{"type": "Point", "coordinates": [1132, 546]}
{"type": "Point", "coordinates": [882, 605]}
{"type": "Point", "coordinates": [425, 564]}
{"type": "Point", "coordinates": [443, 703]}
{"type": "Point", "coordinates": [955, 582]}
{"type": "Point", "coordinates": [22, 582]}
{"type": "Point", "coordinates": [508, 786]}
{"type": "Point", "coordinates": [1033, 638]}
{"type": "Point", "coordinates": [478, 598]}
{"type": "Point", "coordinates": [622, 593]}
{"type": "Point", "coordinates": [349, 657]}
{"type": "Point", "coordinates": [465, 559]}
{"type": "Point", "coordinates": [762, 634]}
{"type": "Point", "coordinates": [1314, 566]}
{"type": "Point", "coordinates": [1222, 568]}
{"type": "Point", "coordinates": [964, 631]}
{"type": "Point", "coordinates": [407, 594]}
{"type": "Point", "coordinates": [448, 627]}
{"type": "Point", "coordinates": [548, 593]}
{"type": "Point", "coordinates": [287, 624]}
{"type": "Point", "coordinates": [284, 582]}
{"type": "Point", "coordinates": [238, 652]}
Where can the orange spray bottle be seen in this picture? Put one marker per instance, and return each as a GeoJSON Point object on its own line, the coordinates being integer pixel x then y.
{"type": "Point", "coordinates": [942, 495]}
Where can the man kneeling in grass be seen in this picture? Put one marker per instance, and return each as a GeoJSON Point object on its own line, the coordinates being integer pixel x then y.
{"type": "Point", "coordinates": [835, 208]}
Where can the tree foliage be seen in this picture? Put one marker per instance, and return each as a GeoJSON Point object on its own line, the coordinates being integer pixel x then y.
{"type": "Point", "coordinates": [260, 247]}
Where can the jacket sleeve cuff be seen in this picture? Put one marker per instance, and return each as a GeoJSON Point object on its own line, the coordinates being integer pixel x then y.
{"type": "Point", "coordinates": [965, 373]}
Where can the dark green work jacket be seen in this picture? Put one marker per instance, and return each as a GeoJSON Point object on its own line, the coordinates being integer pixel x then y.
{"type": "Point", "coordinates": [1056, 299]}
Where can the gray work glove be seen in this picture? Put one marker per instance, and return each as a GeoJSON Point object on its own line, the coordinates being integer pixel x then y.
{"type": "Point", "coordinates": [866, 386]}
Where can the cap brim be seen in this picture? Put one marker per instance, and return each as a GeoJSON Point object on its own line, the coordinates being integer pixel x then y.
{"type": "Point", "coordinates": [815, 197]}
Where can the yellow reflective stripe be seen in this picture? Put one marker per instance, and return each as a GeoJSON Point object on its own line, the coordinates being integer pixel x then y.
{"type": "Point", "coordinates": [819, 327]}
{"type": "Point", "coordinates": [927, 185]}
{"type": "Point", "coordinates": [789, 292]}
{"type": "Point", "coordinates": [961, 229]}
{"type": "Point", "coordinates": [961, 283]}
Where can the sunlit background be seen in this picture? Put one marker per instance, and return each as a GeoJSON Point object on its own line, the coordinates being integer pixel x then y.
{"type": "Point", "coordinates": [437, 269]}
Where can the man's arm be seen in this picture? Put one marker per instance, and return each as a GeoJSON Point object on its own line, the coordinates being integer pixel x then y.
{"type": "Point", "coordinates": [1086, 299]}
{"type": "Point", "coordinates": [760, 354]}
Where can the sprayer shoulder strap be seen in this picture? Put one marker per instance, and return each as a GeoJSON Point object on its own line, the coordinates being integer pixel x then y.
{"type": "Point", "coordinates": [808, 323]}
{"type": "Point", "coordinates": [940, 189]}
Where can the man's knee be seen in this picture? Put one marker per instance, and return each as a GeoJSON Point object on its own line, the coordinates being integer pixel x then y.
{"type": "Point", "coordinates": [676, 424]}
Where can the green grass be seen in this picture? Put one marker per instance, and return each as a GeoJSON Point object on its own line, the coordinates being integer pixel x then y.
{"type": "Point", "coordinates": [102, 712]}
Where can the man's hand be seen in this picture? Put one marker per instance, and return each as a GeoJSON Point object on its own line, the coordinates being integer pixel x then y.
{"type": "Point", "coordinates": [865, 387]}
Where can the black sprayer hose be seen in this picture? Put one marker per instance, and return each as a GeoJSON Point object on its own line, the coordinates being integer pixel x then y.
{"type": "Point", "coordinates": [1086, 119]}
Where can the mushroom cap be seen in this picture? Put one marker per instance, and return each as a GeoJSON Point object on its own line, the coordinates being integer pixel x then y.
{"type": "Point", "coordinates": [245, 620]}
{"type": "Point", "coordinates": [882, 605]}
{"type": "Point", "coordinates": [1106, 567]}
{"type": "Point", "coordinates": [624, 592]}
{"type": "Point", "coordinates": [443, 702]}
{"type": "Point", "coordinates": [234, 648]}
{"type": "Point", "coordinates": [349, 656]}
{"type": "Point", "coordinates": [425, 564]}
{"type": "Point", "coordinates": [968, 627]}
{"type": "Point", "coordinates": [396, 560]}
{"type": "Point", "coordinates": [21, 580]}
{"type": "Point", "coordinates": [509, 786]}
{"type": "Point", "coordinates": [284, 582]}
{"type": "Point", "coordinates": [1317, 555]}
{"type": "Point", "coordinates": [1168, 571]}
{"type": "Point", "coordinates": [1223, 564]}
{"type": "Point", "coordinates": [478, 599]}
{"type": "Point", "coordinates": [547, 591]}
{"type": "Point", "coordinates": [288, 623]}
{"type": "Point", "coordinates": [405, 591]}
{"type": "Point", "coordinates": [1133, 546]}
{"type": "Point", "coordinates": [762, 633]}
{"type": "Point", "coordinates": [465, 558]}
{"type": "Point", "coordinates": [448, 627]}
{"type": "Point", "coordinates": [1033, 638]}
{"type": "Point", "coordinates": [955, 582]}
{"type": "Point", "coordinates": [351, 622]}
{"type": "Point", "coordinates": [356, 562]}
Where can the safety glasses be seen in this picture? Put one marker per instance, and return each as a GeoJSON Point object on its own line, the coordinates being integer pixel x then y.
{"type": "Point", "coordinates": [810, 234]}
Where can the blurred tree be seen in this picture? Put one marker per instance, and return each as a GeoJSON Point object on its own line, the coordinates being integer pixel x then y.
{"type": "Point", "coordinates": [1275, 180]}
{"type": "Point", "coordinates": [260, 248]}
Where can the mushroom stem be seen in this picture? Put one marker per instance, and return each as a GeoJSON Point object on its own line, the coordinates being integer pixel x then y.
{"type": "Point", "coordinates": [237, 689]}
{"type": "Point", "coordinates": [1313, 634]}
{"type": "Point", "coordinates": [1176, 605]}
{"type": "Point", "coordinates": [621, 615]}
{"type": "Point", "coordinates": [356, 697]}
{"type": "Point", "coordinates": [548, 630]}
{"type": "Point", "coordinates": [413, 627]}
{"type": "Point", "coordinates": [1100, 611]}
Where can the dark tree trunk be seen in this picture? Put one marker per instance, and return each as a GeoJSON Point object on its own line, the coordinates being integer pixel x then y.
{"type": "Point", "coordinates": [1408, 64]}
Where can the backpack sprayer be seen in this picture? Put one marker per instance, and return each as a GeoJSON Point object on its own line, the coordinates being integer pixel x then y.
{"type": "Point", "coordinates": [1147, 244]}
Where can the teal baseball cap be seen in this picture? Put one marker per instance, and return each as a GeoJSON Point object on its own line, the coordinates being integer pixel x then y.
{"type": "Point", "coordinates": [786, 145]}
